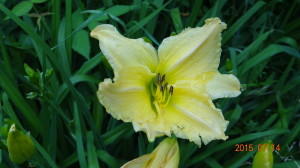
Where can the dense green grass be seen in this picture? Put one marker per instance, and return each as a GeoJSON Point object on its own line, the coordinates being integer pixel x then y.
{"type": "Point", "coordinates": [69, 126]}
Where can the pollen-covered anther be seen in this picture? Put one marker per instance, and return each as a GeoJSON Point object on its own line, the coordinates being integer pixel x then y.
{"type": "Point", "coordinates": [163, 78]}
{"type": "Point", "coordinates": [158, 80]}
{"type": "Point", "coordinates": [171, 89]}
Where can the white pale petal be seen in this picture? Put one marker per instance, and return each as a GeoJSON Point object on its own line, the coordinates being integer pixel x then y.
{"type": "Point", "coordinates": [153, 129]}
{"type": "Point", "coordinates": [223, 86]}
{"type": "Point", "coordinates": [193, 51]}
{"type": "Point", "coordinates": [128, 99]}
{"type": "Point", "coordinates": [122, 52]}
{"type": "Point", "coordinates": [193, 116]}
{"type": "Point", "coordinates": [197, 120]}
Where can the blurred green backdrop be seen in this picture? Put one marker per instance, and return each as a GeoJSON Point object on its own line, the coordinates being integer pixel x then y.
{"type": "Point", "coordinates": [50, 69]}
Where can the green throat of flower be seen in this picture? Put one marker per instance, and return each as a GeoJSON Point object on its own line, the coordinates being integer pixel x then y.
{"type": "Point", "coordinates": [161, 92]}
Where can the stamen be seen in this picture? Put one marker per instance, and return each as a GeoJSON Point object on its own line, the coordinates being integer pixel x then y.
{"type": "Point", "coordinates": [171, 90]}
{"type": "Point", "coordinates": [163, 78]}
{"type": "Point", "coordinates": [164, 104]}
{"type": "Point", "coordinates": [157, 107]}
{"type": "Point", "coordinates": [157, 93]}
{"type": "Point", "coordinates": [166, 86]}
{"type": "Point", "coordinates": [158, 80]}
{"type": "Point", "coordinates": [152, 90]}
{"type": "Point", "coordinates": [164, 96]}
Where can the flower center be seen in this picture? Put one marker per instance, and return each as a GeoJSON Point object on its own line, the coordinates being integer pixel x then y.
{"type": "Point", "coordinates": [161, 92]}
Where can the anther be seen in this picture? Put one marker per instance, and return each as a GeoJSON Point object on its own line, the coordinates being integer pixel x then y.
{"type": "Point", "coordinates": [171, 90]}
{"type": "Point", "coordinates": [158, 80]}
{"type": "Point", "coordinates": [163, 78]}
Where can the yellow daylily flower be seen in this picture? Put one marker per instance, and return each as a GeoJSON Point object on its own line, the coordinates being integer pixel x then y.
{"type": "Point", "coordinates": [165, 155]}
{"type": "Point", "coordinates": [169, 90]}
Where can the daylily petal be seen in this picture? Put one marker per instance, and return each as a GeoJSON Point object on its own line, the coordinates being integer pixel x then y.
{"type": "Point", "coordinates": [191, 52]}
{"type": "Point", "coordinates": [123, 52]}
{"type": "Point", "coordinates": [128, 99]}
{"type": "Point", "coordinates": [153, 128]}
{"type": "Point", "coordinates": [165, 155]}
{"type": "Point", "coordinates": [191, 114]}
{"type": "Point", "coordinates": [223, 86]}
{"type": "Point", "coordinates": [190, 122]}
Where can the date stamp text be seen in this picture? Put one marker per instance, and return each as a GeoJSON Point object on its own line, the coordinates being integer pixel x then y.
{"type": "Point", "coordinates": [252, 147]}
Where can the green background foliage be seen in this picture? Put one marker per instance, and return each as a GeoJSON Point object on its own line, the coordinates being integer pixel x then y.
{"type": "Point", "coordinates": [50, 69]}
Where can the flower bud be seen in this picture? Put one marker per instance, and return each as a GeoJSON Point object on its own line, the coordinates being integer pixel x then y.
{"type": "Point", "coordinates": [165, 155]}
{"type": "Point", "coordinates": [264, 157]}
{"type": "Point", "coordinates": [20, 146]}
